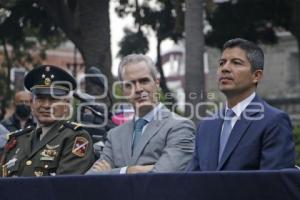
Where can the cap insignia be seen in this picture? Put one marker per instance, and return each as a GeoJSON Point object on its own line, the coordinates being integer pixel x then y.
{"type": "Point", "coordinates": [47, 81]}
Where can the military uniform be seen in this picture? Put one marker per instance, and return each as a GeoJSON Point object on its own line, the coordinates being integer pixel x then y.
{"type": "Point", "coordinates": [65, 149]}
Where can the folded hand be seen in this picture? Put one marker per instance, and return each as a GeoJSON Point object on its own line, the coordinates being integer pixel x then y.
{"type": "Point", "coordinates": [139, 169]}
{"type": "Point", "coordinates": [101, 165]}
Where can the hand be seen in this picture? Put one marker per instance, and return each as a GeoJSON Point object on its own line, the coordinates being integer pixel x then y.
{"type": "Point", "coordinates": [139, 169]}
{"type": "Point", "coordinates": [101, 165]}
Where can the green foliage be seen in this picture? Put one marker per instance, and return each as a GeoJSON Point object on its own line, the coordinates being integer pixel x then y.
{"type": "Point", "coordinates": [133, 43]}
{"type": "Point", "coordinates": [255, 20]}
{"type": "Point", "coordinates": [297, 141]}
{"type": "Point", "coordinates": [162, 19]}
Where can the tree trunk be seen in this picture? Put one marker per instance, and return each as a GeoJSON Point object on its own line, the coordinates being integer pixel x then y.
{"type": "Point", "coordinates": [194, 74]}
{"type": "Point", "coordinates": [86, 24]}
{"type": "Point", "coordinates": [295, 22]}
{"type": "Point", "coordinates": [163, 82]}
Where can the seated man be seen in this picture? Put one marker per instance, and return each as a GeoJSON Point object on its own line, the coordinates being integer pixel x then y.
{"type": "Point", "coordinates": [156, 139]}
{"type": "Point", "coordinates": [54, 146]}
{"type": "Point", "coordinates": [248, 134]}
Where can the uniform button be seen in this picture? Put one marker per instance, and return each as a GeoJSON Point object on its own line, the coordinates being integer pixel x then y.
{"type": "Point", "coordinates": [46, 166]}
{"type": "Point", "coordinates": [28, 162]}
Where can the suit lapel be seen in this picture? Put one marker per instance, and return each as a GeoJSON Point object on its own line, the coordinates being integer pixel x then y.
{"type": "Point", "coordinates": [239, 130]}
{"type": "Point", "coordinates": [214, 142]}
{"type": "Point", "coordinates": [236, 134]}
{"type": "Point", "coordinates": [151, 130]}
{"type": "Point", "coordinates": [209, 142]}
{"type": "Point", "coordinates": [51, 134]}
{"type": "Point", "coordinates": [126, 138]}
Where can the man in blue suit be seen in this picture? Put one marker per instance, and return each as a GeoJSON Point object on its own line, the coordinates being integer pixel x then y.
{"type": "Point", "coordinates": [248, 134]}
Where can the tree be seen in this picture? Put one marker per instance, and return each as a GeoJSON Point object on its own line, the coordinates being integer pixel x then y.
{"type": "Point", "coordinates": [133, 43]}
{"type": "Point", "coordinates": [256, 20]}
{"type": "Point", "coordinates": [86, 24]}
{"type": "Point", "coordinates": [194, 73]}
{"type": "Point", "coordinates": [20, 21]}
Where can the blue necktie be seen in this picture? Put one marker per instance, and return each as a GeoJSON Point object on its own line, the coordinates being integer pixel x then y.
{"type": "Point", "coordinates": [138, 129]}
{"type": "Point", "coordinates": [225, 131]}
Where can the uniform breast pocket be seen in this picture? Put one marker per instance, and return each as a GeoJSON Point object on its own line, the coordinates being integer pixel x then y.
{"type": "Point", "coordinates": [45, 168]}
{"type": "Point", "coordinates": [47, 162]}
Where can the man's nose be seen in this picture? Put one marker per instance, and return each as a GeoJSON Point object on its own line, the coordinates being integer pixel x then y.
{"type": "Point", "coordinates": [225, 67]}
{"type": "Point", "coordinates": [138, 87]}
{"type": "Point", "coordinates": [47, 103]}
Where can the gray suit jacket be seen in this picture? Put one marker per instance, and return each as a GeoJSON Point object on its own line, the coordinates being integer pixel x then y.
{"type": "Point", "coordinates": [3, 133]}
{"type": "Point", "coordinates": [167, 142]}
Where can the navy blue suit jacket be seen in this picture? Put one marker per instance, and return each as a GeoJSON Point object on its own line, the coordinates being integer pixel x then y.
{"type": "Point", "coordinates": [266, 143]}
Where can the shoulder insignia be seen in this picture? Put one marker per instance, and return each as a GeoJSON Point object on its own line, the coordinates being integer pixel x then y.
{"type": "Point", "coordinates": [11, 137]}
{"type": "Point", "coordinates": [19, 132]}
{"type": "Point", "coordinates": [80, 146]}
{"type": "Point", "coordinates": [72, 125]}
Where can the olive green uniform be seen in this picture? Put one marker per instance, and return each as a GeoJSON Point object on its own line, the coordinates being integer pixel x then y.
{"type": "Point", "coordinates": [65, 149]}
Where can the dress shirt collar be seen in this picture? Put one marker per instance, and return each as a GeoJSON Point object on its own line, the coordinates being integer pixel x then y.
{"type": "Point", "coordinates": [241, 106]}
{"type": "Point", "coordinates": [45, 129]}
{"type": "Point", "coordinates": [149, 116]}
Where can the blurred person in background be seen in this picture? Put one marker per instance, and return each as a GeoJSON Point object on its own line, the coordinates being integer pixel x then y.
{"type": "Point", "coordinates": [22, 116]}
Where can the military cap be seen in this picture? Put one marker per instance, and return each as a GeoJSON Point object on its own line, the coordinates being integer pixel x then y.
{"type": "Point", "coordinates": [49, 80]}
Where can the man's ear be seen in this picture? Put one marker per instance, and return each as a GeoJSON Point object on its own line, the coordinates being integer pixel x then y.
{"type": "Point", "coordinates": [258, 74]}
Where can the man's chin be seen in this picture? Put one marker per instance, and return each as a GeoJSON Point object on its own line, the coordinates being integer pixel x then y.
{"type": "Point", "coordinates": [46, 121]}
{"type": "Point", "coordinates": [142, 104]}
{"type": "Point", "coordinates": [144, 107]}
{"type": "Point", "coordinates": [225, 89]}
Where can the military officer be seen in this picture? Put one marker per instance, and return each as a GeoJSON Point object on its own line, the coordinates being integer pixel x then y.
{"type": "Point", "coordinates": [55, 146]}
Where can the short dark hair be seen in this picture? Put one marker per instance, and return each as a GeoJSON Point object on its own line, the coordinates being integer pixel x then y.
{"type": "Point", "coordinates": [254, 53]}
